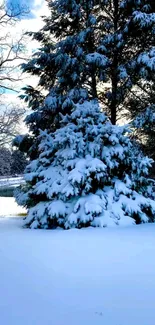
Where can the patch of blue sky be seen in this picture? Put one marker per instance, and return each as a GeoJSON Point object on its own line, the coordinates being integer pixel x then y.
{"type": "Point", "coordinates": [29, 6]}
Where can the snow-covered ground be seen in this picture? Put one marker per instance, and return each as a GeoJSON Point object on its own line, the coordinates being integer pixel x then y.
{"type": "Point", "coordinates": [76, 277]}
{"type": "Point", "coordinates": [8, 206]}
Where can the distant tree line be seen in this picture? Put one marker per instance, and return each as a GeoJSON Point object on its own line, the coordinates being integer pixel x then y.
{"type": "Point", "coordinates": [11, 162]}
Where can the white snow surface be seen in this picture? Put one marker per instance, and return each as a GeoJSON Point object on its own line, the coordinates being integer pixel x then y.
{"type": "Point", "coordinates": [91, 276]}
{"type": "Point", "coordinates": [8, 206]}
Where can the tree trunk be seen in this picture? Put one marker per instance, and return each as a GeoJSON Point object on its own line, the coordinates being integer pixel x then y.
{"type": "Point", "coordinates": [113, 104]}
{"type": "Point", "coordinates": [91, 49]}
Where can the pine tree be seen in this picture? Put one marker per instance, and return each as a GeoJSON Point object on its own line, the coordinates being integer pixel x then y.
{"type": "Point", "coordinates": [128, 43]}
{"type": "Point", "coordinates": [105, 47]}
{"type": "Point", "coordinates": [67, 63]}
{"type": "Point", "coordinates": [84, 169]}
{"type": "Point", "coordinates": [18, 162]}
{"type": "Point", "coordinates": [88, 173]}
{"type": "Point", "coordinates": [5, 161]}
{"type": "Point", "coordinates": [144, 127]}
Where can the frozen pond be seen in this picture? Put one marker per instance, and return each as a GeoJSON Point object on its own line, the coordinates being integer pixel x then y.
{"type": "Point", "coordinates": [8, 206]}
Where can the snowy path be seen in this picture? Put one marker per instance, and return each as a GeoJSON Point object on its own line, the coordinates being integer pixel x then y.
{"type": "Point", "coordinates": [77, 277]}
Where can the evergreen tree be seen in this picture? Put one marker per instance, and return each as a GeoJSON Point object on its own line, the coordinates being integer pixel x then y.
{"type": "Point", "coordinates": [88, 173]}
{"type": "Point", "coordinates": [144, 128]}
{"type": "Point", "coordinates": [18, 162]}
{"type": "Point", "coordinates": [11, 163]}
{"type": "Point", "coordinates": [68, 67]}
{"type": "Point", "coordinates": [105, 47]}
{"type": "Point", "coordinates": [128, 44]}
{"type": "Point", "coordinates": [121, 30]}
{"type": "Point", "coordinates": [84, 170]}
{"type": "Point", "coordinates": [143, 122]}
{"type": "Point", "coordinates": [5, 161]}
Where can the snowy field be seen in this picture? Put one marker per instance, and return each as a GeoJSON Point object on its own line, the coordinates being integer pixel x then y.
{"type": "Point", "coordinates": [76, 277]}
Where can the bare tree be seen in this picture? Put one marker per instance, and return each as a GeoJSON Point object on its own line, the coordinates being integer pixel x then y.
{"type": "Point", "coordinates": [10, 123]}
{"type": "Point", "coordinates": [11, 48]}
{"type": "Point", "coordinates": [11, 56]}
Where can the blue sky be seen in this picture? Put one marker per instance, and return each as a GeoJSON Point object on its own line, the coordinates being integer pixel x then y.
{"type": "Point", "coordinates": [33, 5]}
{"type": "Point", "coordinates": [29, 22]}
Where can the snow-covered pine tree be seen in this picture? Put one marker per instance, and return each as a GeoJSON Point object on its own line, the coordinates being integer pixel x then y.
{"type": "Point", "coordinates": [66, 62]}
{"type": "Point", "coordinates": [85, 171]}
{"type": "Point", "coordinates": [128, 43]}
{"type": "Point", "coordinates": [143, 126]}
{"type": "Point", "coordinates": [108, 43]}
{"type": "Point", "coordinates": [142, 114]}
{"type": "Point", "coordinates": [88, 173]}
